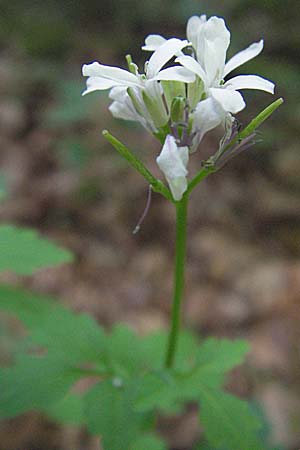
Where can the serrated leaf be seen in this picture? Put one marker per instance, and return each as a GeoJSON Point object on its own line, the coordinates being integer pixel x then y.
{"type": "Point", "coordinates": [75, 338]}
{"type": "Point", "coordinates": [228, 421]}
{"type": "Point", "coordinates": [110, 414]}
{"type": "Point", "coordinates": [157, 390]}
{"type": "Point", "coordinates": [222, 354]}
{"type": "Point", "coordinates": [23, 251]}
{"type": "Point", "coordinates": [149, 442]}
{"type": "Point", "coordinates": [169, 390]}
{"type": "Point", "coordinates": [27, 307]}
{"type": "Point", "coordinates": [124, 350]}
{"type": "Point", "coordinates": [32, 383]}
{"type": "Point", "coordinates": [67, 411]}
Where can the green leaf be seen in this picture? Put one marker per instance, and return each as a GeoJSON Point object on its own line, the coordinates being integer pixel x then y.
{"type": "Point", "coordinates": [160, 391]}
{"type": "Point", "coordinates": [215, 357]}
{"type": "Point", "coordinates": [33, 383]}
{"type": "Point", "coordinates": [124, 351]}
{"type": "Point", "coordinates": [23, 251]}
{"type": "Point", "coordinates": [228, 421]}
{"type": "Point", "coordinates": [67, 411]}
{"type": "Point", "coordinates": [149, 442]}
{"type": "Point", "coordinates": [169, 390]}
{"type": "Point", "coordinates": [27, 307]}
{"type": "Point", "coordinates": [110, 414]}
{"type": "Point", "coordinates": [75, 338]}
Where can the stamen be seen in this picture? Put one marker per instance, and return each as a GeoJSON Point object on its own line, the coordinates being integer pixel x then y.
{"type": "Point", "coordinates": [143, 216]}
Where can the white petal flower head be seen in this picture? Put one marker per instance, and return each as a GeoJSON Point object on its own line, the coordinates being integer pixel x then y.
{"type": "Point", "coordinates": [103, 77]}
{"type": "Point", "coordinates": [141, 104]}
{"type": "Point", "coordinates": [211, 39]}
{"type": "Point", "coordinates": [173, 161]}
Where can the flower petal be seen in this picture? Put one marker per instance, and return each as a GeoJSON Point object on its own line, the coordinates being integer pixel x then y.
{"type": "Point", "coordinates": [152, 42]}
{"type": "Point", "coordinates": [213, 42]}
{"type": "Point", "coordinates": [191, 64]}
{"type": "Point", "coordinates": [97, 84]}
{"type": "Point", "coordinates": [243, 56]}
{"type": "Point", "coordinates": [250, 82]}
{"type": "Point", "coordinates": [230, 100]}
{"type": "Point", "coordinates": [173, 161]}
{"type": "Point", "coordinates": [193, 27]}
{"type": "Point", "coordinates": [176, 73]}
{"type": "Point", "coordinates": [207, 116]}
{"type": "Point", "coordinates": [163, 54]}
{"type": "Point", "coordinates": [123, 111]}
{"type": "Point", "coordinates": [119, 76]}
{"type": "Point", "coordinates": [124, 108]}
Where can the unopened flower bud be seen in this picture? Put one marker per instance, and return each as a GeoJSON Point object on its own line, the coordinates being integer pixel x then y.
{"type": "Point", "coordinates": [173, 89]}
{"type": "Point", "coordinates": [177, 109]}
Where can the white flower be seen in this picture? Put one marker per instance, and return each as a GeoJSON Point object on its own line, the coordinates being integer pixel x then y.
{"type": "Point", "coordinates": [123, 108]}
{"type": "Point", "coordinates": [211, 40]}
{"type": "Point", "coordinates": [103, 77]}
{"type": "Point", "coordinates": [173, 161]}
{"type": "Point", "coordinates": [207, 115]}
{"type": "Point", "coordinates": [144, 101]}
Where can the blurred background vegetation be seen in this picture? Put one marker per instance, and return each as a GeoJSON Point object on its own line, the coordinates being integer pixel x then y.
{"type": "Point", "coordinates": [61, 177]}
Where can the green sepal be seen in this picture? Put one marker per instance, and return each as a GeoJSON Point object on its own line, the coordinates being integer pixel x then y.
{"type": "Point", "coordinates": [156, 109]}
{"type": "Point", "coordinates": [135, 101]}
{"type": "Point", "coordinates": [195, 92]}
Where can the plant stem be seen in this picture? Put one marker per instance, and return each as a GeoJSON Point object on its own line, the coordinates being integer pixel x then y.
{"type": "Point", "coordinates": [181, 227]}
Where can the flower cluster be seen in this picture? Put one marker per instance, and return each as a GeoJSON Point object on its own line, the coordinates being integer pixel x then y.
{"type": "Point", "coordinates": [179, 104]}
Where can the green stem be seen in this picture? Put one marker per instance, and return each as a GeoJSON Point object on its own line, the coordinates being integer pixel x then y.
{"type": "Point", "coordinates": [181, 227]}
{"type": "Point", "coordinates": [204, 172]}
{"type": "Point", "coordinates": [156, 185]}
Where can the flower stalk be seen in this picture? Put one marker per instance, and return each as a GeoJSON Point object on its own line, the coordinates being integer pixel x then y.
{"type": "Point", "coordinates": [179, 274]}
{"type": "Point", "coordinates": [179, 104]}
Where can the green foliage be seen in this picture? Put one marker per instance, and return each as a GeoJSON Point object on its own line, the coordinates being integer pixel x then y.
{"type": "Point", "coordinates": [110, 413]}
{"type": "Point", "coordinates": [33, 382]}
{"type": "Point", "coordinates": [23, 251]}
{"type": "Point", "coordinates": [149, 442]}
{"type": "Point", "coordinates": [130, 383]}
{"type": "Point", "coordinates": [68, 410]}
{"type": "Point", "coordinates": [69, 337]}
{"type": "Point", "coordinates": [228, 421]}
{"type": "Point", "coordinates": [169, 390]}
